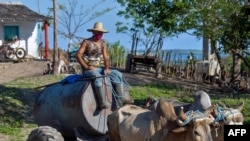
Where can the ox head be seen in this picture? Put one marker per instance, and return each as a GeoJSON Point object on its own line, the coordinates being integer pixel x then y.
{"type": "Point", "coordinates": [196, 123]}
{"type": "Point", "coordinates": [229, 116]}
{"type": "Point", "coordinates": [196, 126]}
{"type": "Point", "coordinates": [224, 116]}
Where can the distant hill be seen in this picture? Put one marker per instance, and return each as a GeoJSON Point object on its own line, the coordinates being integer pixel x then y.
{"type": "Point", "coordinates": [180, 54]}
{"type": "Point", "coordinates": [182, 51]}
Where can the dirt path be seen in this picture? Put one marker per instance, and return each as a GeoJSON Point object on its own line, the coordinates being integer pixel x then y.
{"type": "Point", "coordinates": [10, 71]}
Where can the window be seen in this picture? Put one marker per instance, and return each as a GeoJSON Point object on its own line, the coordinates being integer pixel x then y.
{"type": "Point", "coordinates": [11, 32]}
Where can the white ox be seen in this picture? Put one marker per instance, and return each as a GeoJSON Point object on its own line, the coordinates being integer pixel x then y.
{"type": "Point", "coordinates": [207, 68]}
{"type": "Point", "coordinates": [134, 123]}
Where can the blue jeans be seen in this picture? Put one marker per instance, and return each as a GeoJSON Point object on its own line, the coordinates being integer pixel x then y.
{"type": "Point", "coordinates": [115, 76]}
{"type": "Point", "coordinates": [114, 81]}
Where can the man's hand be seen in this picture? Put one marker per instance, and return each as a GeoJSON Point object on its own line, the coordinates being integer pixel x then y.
{"type": "Point", "coordinates": [91, 68]}
{"type": "Point", "coordinates": [107, 71]}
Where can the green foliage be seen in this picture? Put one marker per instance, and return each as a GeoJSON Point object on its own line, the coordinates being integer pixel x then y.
{"type": "Point", "coordinates": [237, 34]}
{"type": "Point", "coordinates": [148, 15]}
{"type": "Point", "coordinates": [117, 55]}
{"type": "Point", "coordinates": [9, 130]}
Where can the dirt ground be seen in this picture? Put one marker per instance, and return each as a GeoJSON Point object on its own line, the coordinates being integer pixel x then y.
{"type": "Point", "coordinates": [10, 71]}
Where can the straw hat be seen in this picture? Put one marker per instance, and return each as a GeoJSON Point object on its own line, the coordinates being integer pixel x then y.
{"type": "Point", "coordinates": [98, 27]}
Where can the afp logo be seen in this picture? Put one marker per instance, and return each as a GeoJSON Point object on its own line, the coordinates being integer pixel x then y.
{"type": "Point", "coordinates": [241, 132]}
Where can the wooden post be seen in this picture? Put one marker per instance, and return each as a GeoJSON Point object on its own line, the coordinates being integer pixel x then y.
{"type": "Point", "coordinates": [46, 40]}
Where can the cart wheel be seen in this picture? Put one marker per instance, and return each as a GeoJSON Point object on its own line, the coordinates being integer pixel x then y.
{"type": "Point", "coordinates": [45, 133]}
{"type": "Point", "coordinates": [10, 54]}
{"type": "Point", "coordinates": [20, 53]}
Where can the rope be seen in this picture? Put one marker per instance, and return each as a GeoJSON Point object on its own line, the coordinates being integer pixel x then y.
{"type": "Point", "coordinates": [225, 112]}
{"type": "Point", "coordinates": [220, 115]}
{"type": "Point", "coordinates": [193, 115]}
{"type": "Point", "coordinates": [116, 96]}
{"type": "Point", "coordinates": [106, 89]}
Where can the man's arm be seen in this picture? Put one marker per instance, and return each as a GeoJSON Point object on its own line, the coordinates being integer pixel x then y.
{"type": "Point", "coordinates": [79, 54]}
{"type": "Point", "coordinates": [106, 58]}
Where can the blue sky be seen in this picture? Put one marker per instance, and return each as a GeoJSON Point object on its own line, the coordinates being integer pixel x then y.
{"type": "Point", "coordinates": [109, 19]}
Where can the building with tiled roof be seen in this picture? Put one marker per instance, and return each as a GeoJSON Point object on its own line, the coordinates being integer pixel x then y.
{"type": "Point", "coordinates": [18, 21]}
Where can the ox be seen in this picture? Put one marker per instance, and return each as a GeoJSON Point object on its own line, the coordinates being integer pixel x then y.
{"type": "Point", "coordinates": [207, 69]}
{"type": "Point", "coordinates": [64, 64]}
{"type": "Point", "coordinates": [134, 123]}
{"type": "Point", "coordinates": [222, 114]}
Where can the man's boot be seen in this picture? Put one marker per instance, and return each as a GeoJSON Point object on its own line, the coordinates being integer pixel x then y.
{"type": "Point", "coordinates": [123, 97]}
{"type": "Point", "coordinates": [101, 99]}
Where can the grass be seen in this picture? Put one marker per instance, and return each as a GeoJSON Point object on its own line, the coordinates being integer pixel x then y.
{"type": "Point", "coordinates": [16, 108]}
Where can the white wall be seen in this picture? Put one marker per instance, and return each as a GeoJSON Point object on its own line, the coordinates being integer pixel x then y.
{"type": "Point", "coordinates": [29, 32]}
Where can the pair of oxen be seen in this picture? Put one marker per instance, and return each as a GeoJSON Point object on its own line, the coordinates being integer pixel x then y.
{"type": "Point", "coordinates": [171, 120]}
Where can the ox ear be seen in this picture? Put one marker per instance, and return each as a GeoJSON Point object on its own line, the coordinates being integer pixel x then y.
{"type": "Point", "coordinates": [240, 106]}
{"type": "Point", "coordinates": [180, 129]}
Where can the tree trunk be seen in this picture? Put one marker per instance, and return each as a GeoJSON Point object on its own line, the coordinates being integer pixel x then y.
{"type": "Point", "coordinates": [205, 49]}
{"type": "Point", "coordinates": [56, 54]}
{"type": "Point", "coordinates": [217, 53]}
{"type": "Point", "coordinates": [236, 68]}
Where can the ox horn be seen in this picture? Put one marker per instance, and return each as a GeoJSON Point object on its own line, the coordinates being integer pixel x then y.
{"type": "Point", "coordinates": [240, 107]}
{"type": "Point", "coordinates": [182, 115]}
{"type": "Point", "coordinates": [149, 101]}
{"type": "Point", "coordinates": [215, 111]}
{"type": "Point", "coordinates": [222, 104]}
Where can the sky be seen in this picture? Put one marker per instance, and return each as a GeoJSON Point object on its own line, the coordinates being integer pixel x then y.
{"type": "Point", "coordinates": [109, 20]}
